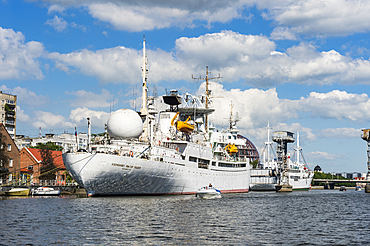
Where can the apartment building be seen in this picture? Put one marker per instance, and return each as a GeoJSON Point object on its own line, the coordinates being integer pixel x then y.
{"type": "Point", "coordinates": [8, 112]}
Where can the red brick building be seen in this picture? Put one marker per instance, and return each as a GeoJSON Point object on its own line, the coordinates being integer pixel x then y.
{"type": "Point", "coordinates": [31, 162]}
{"type": "Point", "coordinates": [9, 171]}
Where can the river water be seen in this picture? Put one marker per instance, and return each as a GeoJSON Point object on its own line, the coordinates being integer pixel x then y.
{"type": "Point", "coordinates": [315, 217]}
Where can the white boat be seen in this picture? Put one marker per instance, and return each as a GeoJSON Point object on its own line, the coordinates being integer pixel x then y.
{"type": "Point", "coordinates": [45, 191]}
{"type": "Point", "coordinates": [151, 155]}
{"type": "Point", "coordinates": [358, 188]}
{"type": "Point", "coordinates": [18, 192]}
{"type": "Point", "coordinates": [266, 177]}
{"type": "Point", "coordinates": [208, 193]}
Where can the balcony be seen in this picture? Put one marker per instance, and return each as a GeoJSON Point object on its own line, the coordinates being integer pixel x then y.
{"type": "Point", "coordinates": [10, 122]}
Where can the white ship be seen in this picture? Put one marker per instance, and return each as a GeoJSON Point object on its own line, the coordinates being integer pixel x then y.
{"type": "Point", "coordinates": [267, 175]}
{"type": "Point", "coordinates": [168, 149]}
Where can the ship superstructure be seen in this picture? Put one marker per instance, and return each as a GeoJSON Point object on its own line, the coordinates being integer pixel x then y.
{"type": "Point", "coordinates": [281, 170]}
{"type": "Point", "coordinates": [169, 148]}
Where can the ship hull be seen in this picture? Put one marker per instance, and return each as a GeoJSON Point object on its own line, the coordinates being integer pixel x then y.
{"type": "Point", "coordinates": [107, 174]}
{"type": "Point", "coordinates": [262, 180]}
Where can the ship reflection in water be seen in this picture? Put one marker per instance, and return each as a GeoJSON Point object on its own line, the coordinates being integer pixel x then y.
{"type": "Point", "coordinates": [318, 217]}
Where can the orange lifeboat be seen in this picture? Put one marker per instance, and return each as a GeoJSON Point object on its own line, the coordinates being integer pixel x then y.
{"type": "Point", "coordinates": [184, 126]}
{"type": "Point", "coordinates": [231, 149]}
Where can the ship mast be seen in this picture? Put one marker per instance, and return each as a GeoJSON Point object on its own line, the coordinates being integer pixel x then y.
{"type": "Point", "coordinates": [268, 145]}
{"type": "Point", "coordinates": [208, 93]}
{"type": "Point", "coordinates": [144, 97]}
{"type": "Point", "coordinates": [298, 149]}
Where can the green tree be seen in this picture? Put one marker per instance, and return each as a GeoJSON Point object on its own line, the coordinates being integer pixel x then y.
{"type": "Point", "coordinates": [254, 163]}
{"type": "Point", "coordinates": [48, 169]}
{"type": "Point", "coordinates": [68, 176]}
{"type": "Point", "coordinates": [49, 145]}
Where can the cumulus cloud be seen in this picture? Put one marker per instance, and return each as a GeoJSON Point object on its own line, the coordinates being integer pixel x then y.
{"type": "Point", "coordinates": [21, 116]}
{"type": "Point", "coordinates": [340, 133]}
{"type": "Point", "coordinates": [318, 17]}
{"type": "Point", "coordinates": [56, 8]}
{"type": "Point", "coordinates": [49, 120]}
{"type": "Point", "coordinates": [252, 59]}
{"type": "Point", "coordinates": [79, 117]}
{"type": "Point", "coordinates": [255, 107]}
{"type": "Point", "coordinates": [90, 99]}
{"type": "Point", "coordinates": [25, 96]}
{"type": "Point", "coordinates": [115, 65]}
{"type": "Point", "coordinates": [337, 105]}
{"type": "Point", "coordinates": [58, 23]}
{"type": "Point", "coordinates": [19, 59]}
{"type": "Point", "coordinates": [136, 18]}
{"type": "Point", "coordinates": [320, 156]}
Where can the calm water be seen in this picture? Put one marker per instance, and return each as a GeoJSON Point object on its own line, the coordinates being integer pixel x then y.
{"type": "Point", "coordinates": [316, 217]}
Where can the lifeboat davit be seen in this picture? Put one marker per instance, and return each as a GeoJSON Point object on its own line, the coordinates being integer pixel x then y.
{"type": "Point", "coordinates": [231, 149]}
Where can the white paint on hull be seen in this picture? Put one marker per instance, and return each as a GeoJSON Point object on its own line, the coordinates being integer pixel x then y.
{"type": "Point", "coordinates": [107, 174]}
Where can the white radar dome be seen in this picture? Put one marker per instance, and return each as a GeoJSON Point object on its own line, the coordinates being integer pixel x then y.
{"type": "Point", "coordinates": [125, 123]}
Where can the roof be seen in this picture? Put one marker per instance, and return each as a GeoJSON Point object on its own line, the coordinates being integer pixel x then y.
{"type": "Point", "coordinates": [25, 170]}
{"type": "Point", "coordinates": [57, 155]}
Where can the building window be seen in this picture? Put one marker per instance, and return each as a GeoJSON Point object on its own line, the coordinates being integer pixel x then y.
{"type": "Point", "coordinates": [9, 147]}
{"type": "Point", "coordinates": [10, 162]}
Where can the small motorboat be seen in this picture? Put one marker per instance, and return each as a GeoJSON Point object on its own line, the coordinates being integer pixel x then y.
{"type": "Point", "coordinates": [18, 192]}
{"type": "Point", "coordinates": [45, 191]}
{"type": "Point", "coordinates": [358, 188]}
{"type": "Point", "coordinates": [208, 192]}
{"type": "Point", "coordinates": [342, 188]}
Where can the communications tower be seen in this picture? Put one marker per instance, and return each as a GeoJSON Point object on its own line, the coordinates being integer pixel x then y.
{"type": "Point", "coordinates": [366, 136]}
{"type": "Point", "coordinates": [282, 138]}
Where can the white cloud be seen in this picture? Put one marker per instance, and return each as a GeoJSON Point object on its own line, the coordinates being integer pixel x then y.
{"type": "Point", "coordinates": [314, 17]}
{"type": "Point", "coordinates": [115, 65]}
{"type": "Point", "coordinates": [48, 120]}
{"type": "Point", "coordinates": [340, 133]}
{"type": "Point", "coordinates": [136, 18]}
{"type": "Point", "coordinates": [90, 99]}
{"type": "Point", "coordinates": [337, 105]}
{"type": "Point", "coordinates": [25, 96]}
{"type": "Point", "coordinates": [19, 59]}
{"type": "Point", "coordinates": [56, 8]}
{"type": "Point", "coordinates": [79, 116]}
{"type": "Point", "coordinates": [21, 116]}
{"type": "Point", "coordinates": [252, 59]}
{"type": "Point", "coordinates": [77, 26]}
{"type": "Point", "coordinates": [321, 156]}
{"type": "Point", "coordinates": [255, 107]}
{"type": "Point", "coordinates": [58, 23]}
{"type": "Point", "coordinates": [318, 17]}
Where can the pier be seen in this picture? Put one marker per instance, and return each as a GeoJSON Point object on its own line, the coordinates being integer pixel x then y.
{"type": "Point", "coordinates": [67, 188]}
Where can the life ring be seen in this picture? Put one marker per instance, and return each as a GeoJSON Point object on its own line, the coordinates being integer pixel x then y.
{"type": "Point", "coordinates": [131, 153]}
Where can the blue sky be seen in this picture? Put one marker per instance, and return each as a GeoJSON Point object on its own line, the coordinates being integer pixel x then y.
{"type": "Point", "coordinates": [299, 65]}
